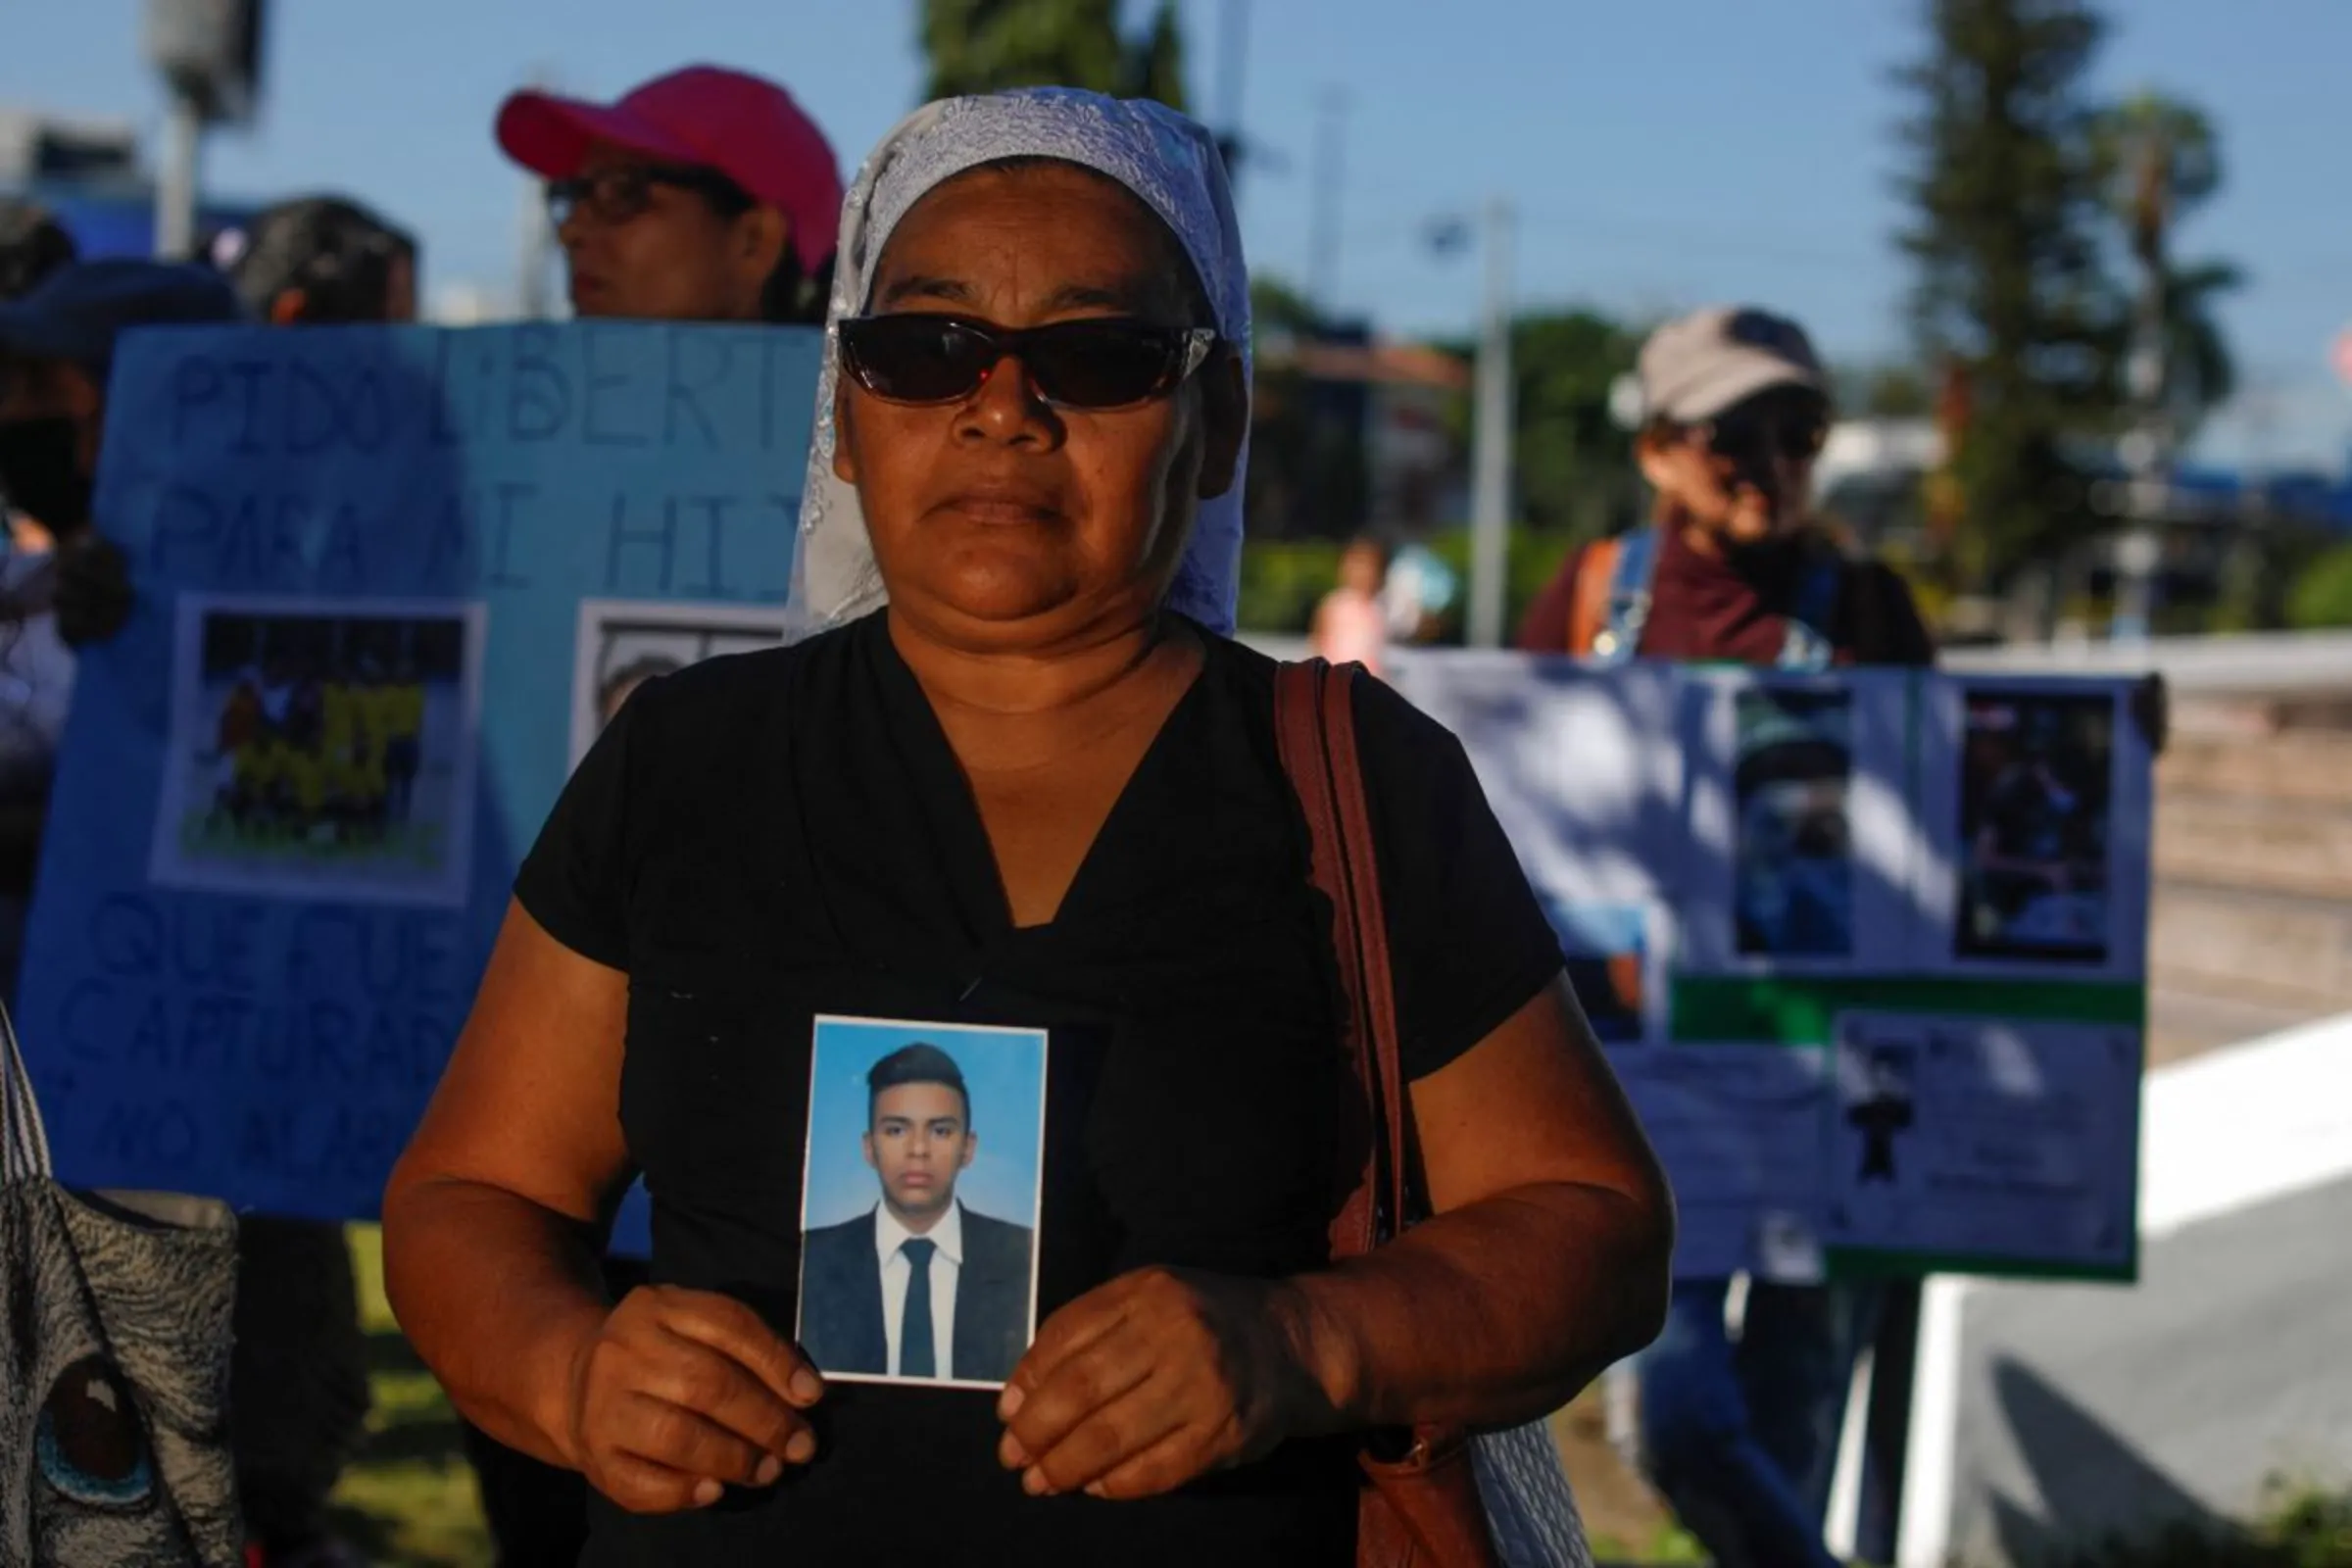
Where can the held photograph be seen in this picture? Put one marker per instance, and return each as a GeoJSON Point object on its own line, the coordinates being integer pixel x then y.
{"type": "Point", "coordinates": [921, 1202]}
{"type": "Point", "coordinates": [1793, 869]}
{"type": "Point", "coordinates": [2036, 783]}
{"type": "Point", "coordinates": [323, 749]}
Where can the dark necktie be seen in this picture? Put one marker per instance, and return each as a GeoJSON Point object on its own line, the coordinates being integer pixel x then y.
{"type": "Point", "coordinates": [916, 1358]}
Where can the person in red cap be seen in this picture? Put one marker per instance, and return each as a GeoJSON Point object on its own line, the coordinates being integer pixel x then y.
{"type": "Point", "coordinates": [705, 195]}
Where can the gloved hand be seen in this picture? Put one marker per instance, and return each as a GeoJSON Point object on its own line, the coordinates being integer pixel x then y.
{"type": "Point", "coordinates": [94, 596]}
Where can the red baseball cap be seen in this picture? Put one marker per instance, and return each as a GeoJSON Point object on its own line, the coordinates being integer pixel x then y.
{"type": "Point", "coordinates": [745, 127]}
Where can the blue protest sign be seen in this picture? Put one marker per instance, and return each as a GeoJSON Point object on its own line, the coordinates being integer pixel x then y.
{"type": "Point", "coordinates": [389, 581]}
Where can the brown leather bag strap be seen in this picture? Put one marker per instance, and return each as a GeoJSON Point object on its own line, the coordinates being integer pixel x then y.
{"type": "Point", "coordinates": [1375, 989]}
{"type": "Point", "coordinates": [1589, 595]}
{"type": "Point", "coordinates": [1302, 735]}
{"type": "Point", "coordinates": [1421, 1511]}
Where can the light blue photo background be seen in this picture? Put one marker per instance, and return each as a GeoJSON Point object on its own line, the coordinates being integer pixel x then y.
{"type": "Point", "coordinates": [1005, 1071]}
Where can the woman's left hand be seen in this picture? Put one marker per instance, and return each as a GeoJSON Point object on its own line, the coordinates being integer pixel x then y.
{"type": "Point", "coordinates": [1157, 1377]}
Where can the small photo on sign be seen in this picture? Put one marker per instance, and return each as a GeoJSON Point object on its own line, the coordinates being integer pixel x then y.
{"type": "Point", "coordinates": [919, 1208]}
{"type": "Point", "coordinates": [1612, 964]}
{"type": "Point", "coordinates": [1793, 869]}
{"type": "Point", "coordinates": [2036, 772]}
{"type": "Point", "coordinates": [323, 749]}
{"type": "Point", "coordinates": [623, 643]}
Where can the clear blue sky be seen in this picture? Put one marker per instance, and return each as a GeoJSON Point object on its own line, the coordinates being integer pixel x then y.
{"type": "Point", "coordinates": [1660, 155]}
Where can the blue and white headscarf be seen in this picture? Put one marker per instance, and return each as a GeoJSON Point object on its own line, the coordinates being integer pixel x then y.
{"type": "Point", "coordinates": [1169, 162]}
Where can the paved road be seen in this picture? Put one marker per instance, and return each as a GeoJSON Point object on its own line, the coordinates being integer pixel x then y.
{"type": "Point", "coordinates": [2087, 1408]}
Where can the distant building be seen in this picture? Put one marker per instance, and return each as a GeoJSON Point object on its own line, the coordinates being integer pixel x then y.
{"type": "Point", "coordinates": [1369, 425]}
{"type": "Point", "coordinates": [90, 174]}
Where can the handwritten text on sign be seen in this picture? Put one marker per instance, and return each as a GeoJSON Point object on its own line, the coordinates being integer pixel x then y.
{"type": "Point", "coordinates": [295, 789]}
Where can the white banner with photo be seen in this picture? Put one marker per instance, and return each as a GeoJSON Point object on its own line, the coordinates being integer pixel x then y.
{"type": "Point", "coordinates": [1746, 866]}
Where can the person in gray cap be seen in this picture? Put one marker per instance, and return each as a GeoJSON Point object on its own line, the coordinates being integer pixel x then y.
{"type": "Point", "coordinates": [298, 1377]}
{"type": "Point", "coordinates": [1734, 409]}
{"type": "Point", "coordinates": [1740, 1434]}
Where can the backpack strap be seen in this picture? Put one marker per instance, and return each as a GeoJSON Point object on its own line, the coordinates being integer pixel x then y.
{"type": "Point", "coordinates": [1588, 596]}
{"type": "Point", "coordinates": [1630, 566]}
{"type": "Point", "coordinates": [1811, 615]}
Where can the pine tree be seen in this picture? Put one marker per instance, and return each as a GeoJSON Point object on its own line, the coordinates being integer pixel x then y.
{"type": "Point", "coordinates": [1156, 60]}
{"type": "Point", "coordinates": [984, 45]}
{"type": "Point", "coordinates": [2013, 288]}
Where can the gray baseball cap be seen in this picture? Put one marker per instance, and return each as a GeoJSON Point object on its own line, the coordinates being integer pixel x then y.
{"type": "Point", "coordinates": [1697, 366]}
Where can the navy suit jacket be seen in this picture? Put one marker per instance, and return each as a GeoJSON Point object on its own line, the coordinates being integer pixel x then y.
{"type": "Point", "coordinates": [841, 1299]}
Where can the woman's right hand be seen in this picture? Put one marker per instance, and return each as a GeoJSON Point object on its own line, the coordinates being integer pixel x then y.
{"type": "Point", "coordinates": [682, 1394]}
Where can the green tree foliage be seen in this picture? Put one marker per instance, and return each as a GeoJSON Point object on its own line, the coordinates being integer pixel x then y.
{"type": "Point", "coordinates": [1882, 391]}
{"type": "Point", "coordinates": [1156, 60]}
{"type": "Point", "coordinates": [1276, 306]}
{"type": "Point", "coordinates": [2012, 278]}
{"type": "Point", "coordinates": [2320, 597]}
{"type": "Point", "coordinates": [984, 45]}
{"type": "Point", "coordinates": [1573, 467]}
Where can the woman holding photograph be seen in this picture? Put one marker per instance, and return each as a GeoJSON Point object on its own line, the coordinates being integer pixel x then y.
{"type": "Point", "coordinates": [1017, 776]}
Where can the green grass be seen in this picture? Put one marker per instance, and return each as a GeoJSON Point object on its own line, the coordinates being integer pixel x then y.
{"type": "Point", "coordinates": [410, 1501]}
{"type": "Point", "coordinates": [2303, 1527]}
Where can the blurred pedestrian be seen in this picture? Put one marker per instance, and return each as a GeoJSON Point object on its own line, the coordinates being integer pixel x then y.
{"type": "Point", "coordinates": [57, 346]}
{"type": "Point", "coordinates": [1418, 593]}
{"type": "Point", "coordinates": [1733, 564]}
{"type": "Point", "coordinates": [1352, 625]}
{"type": "Point", "coordinates": [32, 245]}
{"type": "Point", "coordinates": [36, 671]}
{"type": "Point", "coordinates": [1740, 1434]}
{"type": "Point", "coordinates": [322, 260]}
{"type": "Point", "coordinates": [705, 195]}
{"type": "Point", "coordinates": [298, 1386]}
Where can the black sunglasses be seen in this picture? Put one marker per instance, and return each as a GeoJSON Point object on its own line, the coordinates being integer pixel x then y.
{"type": "Point", "coordinates": [625, 191]}
{"type": "Point", "coordinates": [1797, 435]}
{"type": "Point", "coordinates": [1092, 363]}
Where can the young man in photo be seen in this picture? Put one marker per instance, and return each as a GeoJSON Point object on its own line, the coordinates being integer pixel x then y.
{"type": "Point", "coordinates": [922, 1285]}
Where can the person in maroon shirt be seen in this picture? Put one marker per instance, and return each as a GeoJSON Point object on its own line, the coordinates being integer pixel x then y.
{"type": "Point", "coordinates": [1734, 411]}
{"type": "Point", "coordinates": [1740, 1436]}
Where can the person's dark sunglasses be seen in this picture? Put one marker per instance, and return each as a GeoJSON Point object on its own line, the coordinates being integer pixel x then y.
{"type": "Point", "coordinates": [1092, 363]}
{"type": "Point", "coordinates": [624, 191]}
{"type": "Point", "coordinates": [1741, 436]}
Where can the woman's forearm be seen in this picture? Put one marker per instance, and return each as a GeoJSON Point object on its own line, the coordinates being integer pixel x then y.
{"type": "Point", "coordinates": [501, 1296]}
{"type": "Point", "coordinates": [1497, 1312]}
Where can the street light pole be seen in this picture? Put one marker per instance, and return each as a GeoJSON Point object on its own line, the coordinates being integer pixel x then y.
{"type": "Point", "coordinates": [1323, 237]}
{"type": "Point", "coordinates": [1491, 455]}
{"type": "Point", "coordinates": [2147, 448]}
{"type": "Point", "coordinates": [176, 178]}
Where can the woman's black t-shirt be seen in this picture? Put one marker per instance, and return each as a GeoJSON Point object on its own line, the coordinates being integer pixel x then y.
{"type": "Point", "coordinates": [763, 839]}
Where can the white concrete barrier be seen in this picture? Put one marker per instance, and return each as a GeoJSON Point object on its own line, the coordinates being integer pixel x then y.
{"type": "Point", "coordinates": [2044, 1414]}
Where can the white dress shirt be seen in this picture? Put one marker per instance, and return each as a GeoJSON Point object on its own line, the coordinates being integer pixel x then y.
{"type": "Point", "coordinates": [890, 1241]}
